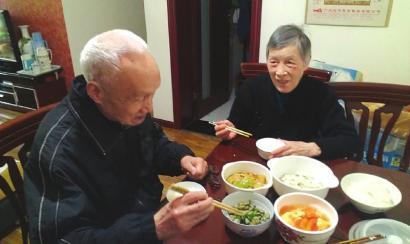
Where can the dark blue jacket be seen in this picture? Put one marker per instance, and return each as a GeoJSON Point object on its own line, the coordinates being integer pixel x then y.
{"type": "Point", "coordinates": [91, 180]}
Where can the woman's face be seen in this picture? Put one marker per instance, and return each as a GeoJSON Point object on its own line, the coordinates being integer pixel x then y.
{"type": "Point", "coordinates": [286, 67]}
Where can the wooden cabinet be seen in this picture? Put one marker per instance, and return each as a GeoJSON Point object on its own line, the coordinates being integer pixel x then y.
{"type": "Point", "coordinates": [25, 92]}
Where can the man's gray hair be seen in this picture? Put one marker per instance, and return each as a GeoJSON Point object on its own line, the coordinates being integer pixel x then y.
{"type": "Point", "coordinates": [101, 56]}
{"type": "Point", "coordinates": [286, 35]}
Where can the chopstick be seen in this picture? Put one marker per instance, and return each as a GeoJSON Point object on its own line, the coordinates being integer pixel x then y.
{"type": "Point", "coordinates": [233, 129]}
{"type": "Point", "coordinates": [363, 239]}
{"type": "Point", "coordinates": [216, 203]}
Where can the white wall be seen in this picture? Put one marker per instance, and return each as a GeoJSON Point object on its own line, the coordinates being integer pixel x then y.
{"type": "Point", "coordinates": [156, 18]}
{"type": "Point", "coordinates": [85, 19]}
{"type": "Point", "coordinates": [381, 54]}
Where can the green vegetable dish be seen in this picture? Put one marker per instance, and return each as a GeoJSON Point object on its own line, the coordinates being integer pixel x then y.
{"type": "Point", "coordinates": [253, 216]}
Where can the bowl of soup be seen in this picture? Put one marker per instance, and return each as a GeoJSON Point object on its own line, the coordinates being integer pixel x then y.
{"type": "Point", "coordinates": [258, 217]}
{"type": "Point", "coordinates": [301, 174]}
{"type": "Point", "coordinates": [304, 218]}
{"type": "Point", "coordinates": [246, 176]}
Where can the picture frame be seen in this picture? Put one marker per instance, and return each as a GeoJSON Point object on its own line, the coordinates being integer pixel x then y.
{"type": "Point", "coordinates": [373, 13]}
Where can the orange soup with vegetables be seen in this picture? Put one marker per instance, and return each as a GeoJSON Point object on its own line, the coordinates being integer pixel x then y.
{"type": "Point", "coordinates": [304, 217]}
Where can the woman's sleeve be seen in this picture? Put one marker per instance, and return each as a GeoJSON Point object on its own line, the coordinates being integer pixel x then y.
{"type": "Point", "coordinates": [338, 137]}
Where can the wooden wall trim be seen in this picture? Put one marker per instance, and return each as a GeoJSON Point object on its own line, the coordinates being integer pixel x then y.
{"type": "Point", "coordinates": [255, 31]}
{"type": "Point", "coordinates": [165, 123]}
{"type": "Point", "coordinates": [173, 47]}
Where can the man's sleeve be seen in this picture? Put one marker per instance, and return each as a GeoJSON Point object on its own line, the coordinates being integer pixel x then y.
{"type": "Point", "coordinates": [60, 212]}
{"type": "Point", "coordinates": [168, 154]}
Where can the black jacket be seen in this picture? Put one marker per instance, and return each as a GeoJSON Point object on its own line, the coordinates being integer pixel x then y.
{"type": "Point", "coordinates": [91, 180]}
{"type": "Point", "coordinates": [309, 113]}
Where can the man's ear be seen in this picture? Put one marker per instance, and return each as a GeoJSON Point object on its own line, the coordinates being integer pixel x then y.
{"type": "Point", "coordinates": [94, 91]}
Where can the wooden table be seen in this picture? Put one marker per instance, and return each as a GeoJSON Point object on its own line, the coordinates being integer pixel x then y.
{"type": "Point", "coordinates": [213, 230]}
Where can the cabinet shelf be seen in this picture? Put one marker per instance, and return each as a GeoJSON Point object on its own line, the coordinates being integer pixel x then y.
{"type": "Point", "coordinates": [23, 92]}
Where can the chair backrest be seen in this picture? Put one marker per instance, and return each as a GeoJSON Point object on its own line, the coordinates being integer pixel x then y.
{"type": "Point", "coordinates": [249, 70]}
{"type": "Point", "coordinates": [13, 133]}
{"type": "Point", "coordinates": [379, 123]}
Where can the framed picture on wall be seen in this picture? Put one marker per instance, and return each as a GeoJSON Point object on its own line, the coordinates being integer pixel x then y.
{"type": "Point", "coordinates": [374, 13]}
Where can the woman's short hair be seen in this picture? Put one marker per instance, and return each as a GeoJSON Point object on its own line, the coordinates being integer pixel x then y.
{"type": "Point", "coordinates": [101, 56]}
{"type": "Point", "coordinates": [286, 35]}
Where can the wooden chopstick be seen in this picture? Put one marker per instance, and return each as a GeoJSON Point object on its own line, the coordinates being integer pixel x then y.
{"type": "Point", "coordinates": [216, 203]}
{"type": "Point", "coordinates": [228, 208]}
{"type": "Point", "coordinates": [236, 130]}
{"type": "Point", "coordinates": [363, 239]}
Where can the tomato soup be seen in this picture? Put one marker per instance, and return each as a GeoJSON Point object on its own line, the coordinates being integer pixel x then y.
{"type": "Point", "coordinates": [304, 217]}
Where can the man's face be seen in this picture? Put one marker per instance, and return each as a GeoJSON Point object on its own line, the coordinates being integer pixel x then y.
{"type": "Point", "coordinates": [286, 67]}
{"type": "Point", "coordinates": [128, 99]}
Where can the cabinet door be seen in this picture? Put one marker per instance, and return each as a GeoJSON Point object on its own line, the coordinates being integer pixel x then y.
{"type": "Point", "coordinates": [26, 97]}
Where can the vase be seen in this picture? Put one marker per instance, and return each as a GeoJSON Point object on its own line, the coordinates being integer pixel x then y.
{"type": "Point", "coordinates": [25, 41]}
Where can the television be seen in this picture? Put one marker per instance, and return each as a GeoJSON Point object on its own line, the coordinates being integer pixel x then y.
{"type": "Point", "coordinates": [9, 51]}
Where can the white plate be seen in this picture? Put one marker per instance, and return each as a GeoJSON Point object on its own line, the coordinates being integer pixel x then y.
{"type": "Point", "coordinates": [353, 231]}
{"type": "Point", "coordinates": [190, 185]}
{"type": "Point", "coordinates": [396, 232]}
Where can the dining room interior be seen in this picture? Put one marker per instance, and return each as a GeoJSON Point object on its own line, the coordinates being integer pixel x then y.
{"type": "Point", "coordinates": [200, 76]}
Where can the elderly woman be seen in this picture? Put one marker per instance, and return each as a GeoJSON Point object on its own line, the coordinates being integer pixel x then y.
{"type": "Point", "coordinates": [303, 112]}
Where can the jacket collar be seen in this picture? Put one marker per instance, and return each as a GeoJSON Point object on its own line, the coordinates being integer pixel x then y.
{"type": "Point", "coordinates": [104, 132]}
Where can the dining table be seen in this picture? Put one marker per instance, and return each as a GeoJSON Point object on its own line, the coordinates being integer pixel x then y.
{"type": "Point", "coordinates": [213, 229]}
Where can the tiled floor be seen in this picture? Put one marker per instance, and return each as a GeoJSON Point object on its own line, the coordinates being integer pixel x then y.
{"type": "Point", "coordinates": [7, 115]}
{"type": "Point", "coordinates": [222, 112]}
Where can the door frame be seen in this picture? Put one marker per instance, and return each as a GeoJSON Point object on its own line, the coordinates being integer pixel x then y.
{"type": "Point", "coordinates": [173, 45]}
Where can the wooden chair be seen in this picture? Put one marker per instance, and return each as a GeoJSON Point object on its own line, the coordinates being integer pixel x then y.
{"type": "Point", "coordinates": [13, 133]}
{"type": "Point", "coordinates": [249, 70]}
{"type": "Point", "coordinates": [394, 97]}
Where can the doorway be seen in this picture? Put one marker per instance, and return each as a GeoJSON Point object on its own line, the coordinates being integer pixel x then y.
{"type": "Point", "coordinates": [201, 56]}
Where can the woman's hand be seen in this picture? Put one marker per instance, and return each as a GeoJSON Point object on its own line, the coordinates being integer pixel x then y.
{"type": "Point", "coordinates": [309, 149]}
{"type": "Point", "coordinates": [222, 132]}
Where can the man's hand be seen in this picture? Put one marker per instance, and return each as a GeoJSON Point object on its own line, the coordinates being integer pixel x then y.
{"type": "Point", "coordinates": [196, 168]}
{"type": "Point", "coordinates": [222, 132]}
{"type": "Point", "coordinates": [182, 214]}
{"type": "Point", "coordinates": [309, 149]}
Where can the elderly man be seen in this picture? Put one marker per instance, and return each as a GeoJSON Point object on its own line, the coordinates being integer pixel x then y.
{"type": "Point", "coordinates": [303, 112]}
{"type": "Point", "coordinates": [93, 171]}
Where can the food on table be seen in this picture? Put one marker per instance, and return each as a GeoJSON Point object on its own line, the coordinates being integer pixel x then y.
{"type": "Point", "coordinates": [253, 216]}
{"type": "Point", "coordinates": [300, 181]}
{"type": "Point", "coordinates": [373, 194]}
{"type": "Point", "coordinates": [304, 217]}
{"type": "Point", "coordinates": [246, 180]}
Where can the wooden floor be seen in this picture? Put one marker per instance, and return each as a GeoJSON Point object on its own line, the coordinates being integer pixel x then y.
{"type": "Point", "coordinates": [201, 144]}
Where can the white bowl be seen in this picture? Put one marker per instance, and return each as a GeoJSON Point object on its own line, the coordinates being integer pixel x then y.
{"type": "Point", "coordinates": [295, 235]}
{"type": "Point", "coordinates": [246, 166]}
{"type": "Point", "coordinates": [370, 193]}
{"type": "Point", "coordinates": [189, 185]}
{"type": "Point", "coordinates": [259, 201]}
{"type": "Point", "coordinates": [289, 165]}
{"type": "Point", "coordinates": [267, 145]}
